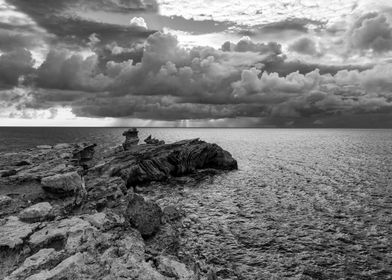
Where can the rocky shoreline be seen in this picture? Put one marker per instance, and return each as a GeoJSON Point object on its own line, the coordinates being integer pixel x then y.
{"type": "Point", "coordinates": [67, 212]}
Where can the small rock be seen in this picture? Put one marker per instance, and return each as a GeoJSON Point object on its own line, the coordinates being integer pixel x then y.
{"type": "Point", "coordinates": [171, 213]}
{"type": "Point", "coordinates": [63, 183]}
{"type": "Point", "coordinates": [66, 155]}
{"type": "Point", "coordinates": [23, 163]}
{"type": "Point", "coordinates": [36, 213]}
{"type": "Point", "coordinates": [62, 146]}
{"type": "Point", "coordinates": [13, 232]}
{"type": "Point", "coordinates": [44, 147]}
{"type": "Point", "coordinates": [153, 141]}
{"type": "Point", "coordinates": [175, 269]}
{"type": "Point", "coordinates": [8, 173]}
{"type": "Point", "coordinates": [144, 215]}
{"type": "Point", "coordinates": [5, 201]}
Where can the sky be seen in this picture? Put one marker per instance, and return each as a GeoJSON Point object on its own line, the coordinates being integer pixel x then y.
{"type": "Point", "coordinates": [196, 63]}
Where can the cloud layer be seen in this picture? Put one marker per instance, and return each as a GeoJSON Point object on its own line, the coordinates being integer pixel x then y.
{"type": "Point", "coordinates": [334, 75]}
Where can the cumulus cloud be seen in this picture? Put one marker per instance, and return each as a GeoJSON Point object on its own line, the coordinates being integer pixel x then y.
{"type": "Point", "coordinates": [13, 66]}
{"type": "Point", "coordinates": [138, 22]}
{"type": "Point", "coordinates": [171, 83]}
{"type": "Point", "coordinates": [128, 71]}
{"type": "Point", "coordinates": [304, 45]}
{"type": "Point", "coordinates": [372, 31]}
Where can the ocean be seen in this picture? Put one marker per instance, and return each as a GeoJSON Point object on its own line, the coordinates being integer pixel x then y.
{"type": "Point", "coordinates": [310, 202]}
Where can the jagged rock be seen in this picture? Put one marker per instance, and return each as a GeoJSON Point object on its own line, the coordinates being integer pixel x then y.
{"type": "Point", "coordinates": [68, 183]}
{"type": "Point", "coordinates": [104, 221]}
{"type": "Point", "coordinates": [36, 213]}
{"type": "Point", "coordinates": [174, 269]}
{"type": "Point", "coordinates": [145, 163]}
{"type": "Point", "coordinates": [84, 153]}
{"type": "Point", "coordinates": [144, 215]}
{"type": "Point", "coordinates": [69, 232]}
{"type": "Point", "coordinates": [131, 138]}
{"type": "Point", "coordinates": [66, 270]}
{"type": "Point", "coordinates": [13, 232]}
{"type": "Point", "coordinates": [153, 141]}
{"type": "Point", "coordinates": [35, 263]}
{"type": "Point", "coordinates": [5, 201]}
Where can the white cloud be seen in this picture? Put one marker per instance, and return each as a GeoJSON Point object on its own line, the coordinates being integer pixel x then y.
{"type": "Point", "coordinates": [256, 12]}
{"type": "Point", "coordinates": [138, 22]}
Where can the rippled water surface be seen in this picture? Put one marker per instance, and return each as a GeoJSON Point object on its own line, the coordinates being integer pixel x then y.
{"type": "Point", "coordinates": [304, 204]}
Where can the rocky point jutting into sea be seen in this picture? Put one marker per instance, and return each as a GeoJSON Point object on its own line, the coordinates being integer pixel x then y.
{"type": "Point", "coordinates": [67, 212]}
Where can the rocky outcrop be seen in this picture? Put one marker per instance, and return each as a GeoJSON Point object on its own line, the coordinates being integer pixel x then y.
{"type": "Point", "coordinates": [131, 138]}
{"type": "Point", "coordinates": [146, 163]}
{"type": "Point", "coordinates": [67, 213]}
{"type": "Point", "coordinates": [153, 141]}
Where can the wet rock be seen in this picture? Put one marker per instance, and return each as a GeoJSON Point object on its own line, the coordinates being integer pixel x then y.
{"type": "Point", "coordinates": [131, 138]}
{"type": "Point", "coordinates": [36, 213]}
{"type": "Point", "coordinates": [44, 147]}
{"type": "Point", "coordinates": [36, 263]}
{"type": "Point", "coordinates": [153, 141]}
{"type": "Point", "coordinates": [171, 213]}
{"type": "Point", "coordinates": [8, 173]}
{"type": "Point", "coordinates": [62, 146]}
{"type": "Point", "coordinates": [174, 269]}
{"type": "Point", "coordinates": [68, 183]}
{"type": "Point", "coordinates": [5, 201]}
{"type": "Point", "coordinates": [23, 163]}
{"type": "Point", "coordinates": [13, 232]}
{"type": "Point", "coordinates": [66, 270]}
{"type": "Point", "coordinates": [144, 215]}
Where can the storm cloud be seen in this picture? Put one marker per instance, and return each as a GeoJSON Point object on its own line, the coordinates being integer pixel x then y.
{"type": "Point", "coordinates": [102, 69]}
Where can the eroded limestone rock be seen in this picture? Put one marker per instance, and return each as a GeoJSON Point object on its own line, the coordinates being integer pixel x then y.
{"type": "Point", "coordinates": [13, 231]}
{"type": "Point", "coordinates": [68, 183]}
{"type": "Point", "coordinates": [36, 213]}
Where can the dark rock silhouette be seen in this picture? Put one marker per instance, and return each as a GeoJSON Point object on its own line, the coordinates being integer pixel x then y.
{"type": "Point", "coordinates": [147, 163]}
{"type": "Point", "coordinates": [153, 141]}
{"type": "Point", "coordinates": [144, 215]}
{"type": "Point", "coordinates": [131, 138]}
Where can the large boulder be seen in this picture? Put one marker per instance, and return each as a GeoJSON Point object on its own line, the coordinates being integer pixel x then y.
{"type": "Point", "coordinates": [144, 215]}
{"type": "Point", "coordinates": [37, 212]}
{"type": "Point", "coordinates": [68, 183]}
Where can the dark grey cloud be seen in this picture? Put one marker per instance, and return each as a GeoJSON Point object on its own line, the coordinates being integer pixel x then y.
{"type": "Point", "coordinates": [132, 72]}
{"type": "Point", "coordinates": [13, 65]}
{"type": "Point", "coordinates": [372, 31]}
{"type": "Point", "coordinates": [304, 45]}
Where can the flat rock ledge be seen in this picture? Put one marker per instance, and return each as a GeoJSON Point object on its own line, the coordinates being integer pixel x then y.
{"type": "Point", "coordinates": [69, 213]}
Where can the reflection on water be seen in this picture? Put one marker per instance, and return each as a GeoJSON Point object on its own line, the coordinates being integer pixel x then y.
{"type": "Point", "coordinates": [315, 204]}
